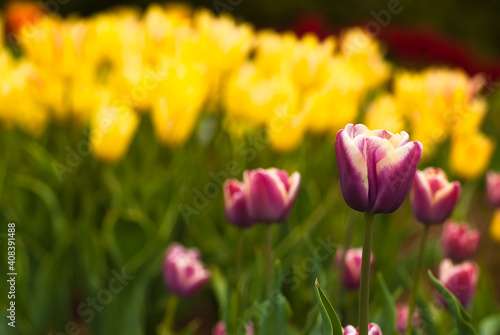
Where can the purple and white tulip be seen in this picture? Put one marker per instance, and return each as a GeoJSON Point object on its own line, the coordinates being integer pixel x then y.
{"type": "Point", "coordinates": [458, 241]}
{"type": "Point", "coordinates": [433, 198]}
{"type": "Point", "coordinates": [493, 189]}
{"type": "Point", "coordinates": [183, 272]}
{"type": "Point", "coordinates": [376, 167]}
{"type": "Point", "coordinates": [263, 196]}
{"type": "Point", "coordinates": [373, 329]}
{"type": "Point", "coordinates": [352, 269]}
{"type": "Point", "coordinates": [460, 279]}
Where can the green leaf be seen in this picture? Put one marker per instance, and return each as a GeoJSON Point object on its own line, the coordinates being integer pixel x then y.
{"type": "Point", "coordinates": [220, 287]}
{"type": "Point", "coordinates": [331, 322]}
{"type": "Point", "coordinates": [276, 312]}
{"type": "Point", "coordinates": [389, 313]}
{"type": "Point", "coordinates": [490, 325]}
{"type": "Point", "coordinates": [462, 318]}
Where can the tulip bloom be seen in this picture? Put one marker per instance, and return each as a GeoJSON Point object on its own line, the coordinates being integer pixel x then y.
{"type": "Point", "coordinates": [460, 279]}
{"type": "Point", "coordinates": [376, 168]}
{"type": "Point", "coordinates": [183, 272]}
{"type": "Point", "coordinates": [264, 196]}
{"type": "Point", "coordinates": [432, 197]}
{"type": "Point", "coordinates": [235, 203]}
{"type": "Point", "coordinates": [402, 318]}
{"type": "Point", "coordinates": [458, 241]}
{"type": "Point", "coordinates": [493, 189]}
{"type": "Point", "coordinates": [352, 268]}
{"type": "Point", "coordinates": [470, 154]}
{"type": "Point", "coordinates": [373, 329]}
{"type": "Point", "coordinates": [495, 226]}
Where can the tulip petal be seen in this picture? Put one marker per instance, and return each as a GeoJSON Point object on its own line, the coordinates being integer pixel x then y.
{"type": "Point", "coordinates": [444, 202]}
{"type": "Point", "coordinates": [267, 196]}
{"type": "Point", "coordinates": [294, 183]}
{"type": "Point", "coordinates": [352, 169]}
{"type": "Point", "coordinates": [395, 174]}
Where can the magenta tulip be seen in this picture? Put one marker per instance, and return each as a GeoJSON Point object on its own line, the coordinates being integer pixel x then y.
{"type": "Point", "coordinates": [493, 189]}
{"type": "Point", "coordinates": [271, 194]}
{"type": "Point", "coordinates": [460, 279]}
{"type": "Point", "coordinates": [376, 168]}
{"type": "Point", "coordinates": [235, 203]}
{"type": "Point", "coordinates": [373, 329]}
{"type": "Point", "coordinates": [458, 241]}
{"type": "Point", "coordinates": [433, 197]}
{"type": "Point", "coordinates": [264, 196]}
{"type": "Point", "coordinates": [183, 272]}
{"type": "Point", "coordinates": [352, 269]}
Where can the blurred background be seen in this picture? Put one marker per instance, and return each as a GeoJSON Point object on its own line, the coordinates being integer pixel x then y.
{"type": "Point", "coordinates": [452, 32]}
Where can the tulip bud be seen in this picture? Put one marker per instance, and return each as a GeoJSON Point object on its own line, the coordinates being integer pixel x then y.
{"type": "Point", "coordinates": [432, 197]}
{"type": "Point", "coordinates": [270, 194]}
{"type": "Point", "coordinates": [458, 241]}
{"type": "Point", "coordinates": [352, 269]}
{"type": "Point", "coordinates": [373, 329]}
{"type": "Point", "coordinates": [235, 203]}
{"type": "Point", "coordinates": [376, 168]}
{"type": "Point", "coordinates": [402, 318]}
{"type": "Point", "coordinates": [183, 272]}
{"type": "Point", "coordinates": [460, 279]}
{"type": "Point", "coordinates": [493, 189]}
{"type": "Point", "coordinates": [220, 329]}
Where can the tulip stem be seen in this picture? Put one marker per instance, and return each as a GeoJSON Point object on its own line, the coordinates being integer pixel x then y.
{"type": "Point", "coordinates": [414, 289]}
{"type": "Point", "coordinates": [239, 256]}
{"type": "Point", "coordinates": [166, 325]}
{"type": "Point", "coordinates": [364, 293]}
{"type": "Point", "coordinates": [269, 259]}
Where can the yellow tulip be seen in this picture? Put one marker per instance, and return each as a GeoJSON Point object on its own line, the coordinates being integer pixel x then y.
{"type": "Point", "coordinates": [470, 154]}
{"type": "Point", "coordinates": [112, 129]}
{"type": "Point", "coordinates": [285, 130]}
{"type": "Point", "coordinates": [383, 113]}
{"type": "Point", "coordinates": [178, 102]}
{"type": "Point", "coordinates": [495, 226]}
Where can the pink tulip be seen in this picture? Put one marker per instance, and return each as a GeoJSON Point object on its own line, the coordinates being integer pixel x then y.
{"type": "Point", "coordinates": [183, 272]}
{"type": "Point", "coordinates": [376, 168]}
{"type": "Point", "coordinates": [493, 188]}
{"type": "Point", "coordinates": [220, 329]}
{"type": "Point", "coordinates": [264, 196]}
{"type": "Point", "coordinates": [352, 270]}
{"type": "Point", "coordinates": [460, 279]}
{"type": "Point", "coordinates": [433, 197]}
{"type": "Point", "coordinates": [402, 318]}
{"type": "Point", "coordinates": [458, 241]}
{"type": "Point", "coordinates": [373, 329]}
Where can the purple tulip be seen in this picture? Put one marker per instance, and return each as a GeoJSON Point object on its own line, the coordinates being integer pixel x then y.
{"type": "Point", "coordinates": [493, 189]}
{"type": "Point", "coordinates": [376, 168]}
{"type": "Point", "coordinates": [352, 270]}
{"type": "Point", "coordinates": [433, 197]}
{"type": "Point", "coordinates": [373, 329]}
{"type": "Point", "coordinates": [183, 272]}
{"type": "Point", "coordinates": [235, 203]}
{"type": "Point", "coordinates": [402, 318]}
{"type": "Point", "coordinates": [458, 241]}
{"type": "Point", "coordinates": [460, 279]}
{"type": "Point", "coordinates": [264, 196]}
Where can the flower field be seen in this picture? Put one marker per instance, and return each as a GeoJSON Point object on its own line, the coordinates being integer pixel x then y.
{"type": "Point", "coordinates": [173, 171]}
